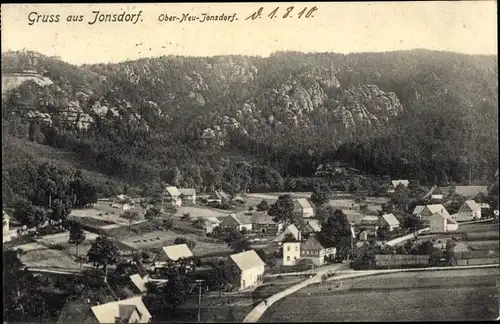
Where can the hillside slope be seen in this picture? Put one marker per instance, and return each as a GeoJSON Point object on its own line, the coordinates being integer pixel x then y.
{"type": "Point", "coordinates": [415, 114]}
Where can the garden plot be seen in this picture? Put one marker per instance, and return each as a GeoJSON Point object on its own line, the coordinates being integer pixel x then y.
{"type": "Point", "coordinates": [103, 211]}
{"type": "Point", "coordinates": [196, 212]}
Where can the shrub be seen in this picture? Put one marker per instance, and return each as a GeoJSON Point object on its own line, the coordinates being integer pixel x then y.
{"type": "Point", "coordinates": [324, 277]}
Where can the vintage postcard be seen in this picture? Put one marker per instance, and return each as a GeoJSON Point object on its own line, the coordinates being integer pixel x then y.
{"type": "Point", "coordinates": [250, 162]}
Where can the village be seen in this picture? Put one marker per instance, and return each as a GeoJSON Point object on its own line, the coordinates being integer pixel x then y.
{"type": "Point", "coordinates": [238, 250]}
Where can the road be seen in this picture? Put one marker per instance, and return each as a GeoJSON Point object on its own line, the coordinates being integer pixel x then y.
{"type": "Point", "coordinates": [257, 312]}
{"type": "Point", "coordinates": [457, 294]}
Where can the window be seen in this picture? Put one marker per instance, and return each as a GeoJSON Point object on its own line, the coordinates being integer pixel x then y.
{"type": "Point", "coordinates": [288, 258]}
{"type": "Point", "coordinates": [296, 248]}
{"type": "Point", "coordinates": [288, 248]}
{"type": "Point", "coordinates": [295, 258]}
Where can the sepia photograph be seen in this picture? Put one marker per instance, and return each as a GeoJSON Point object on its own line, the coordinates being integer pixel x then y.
{"type": "Point", "coordinates": [250, 162]}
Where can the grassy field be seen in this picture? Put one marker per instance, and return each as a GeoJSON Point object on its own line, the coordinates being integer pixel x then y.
{"type": "Point", "coordinates": [421, 296]}
{"type": "Point", "coordinates": [196, 212]}
{"type": "Point", "coordinates": [40, 256]}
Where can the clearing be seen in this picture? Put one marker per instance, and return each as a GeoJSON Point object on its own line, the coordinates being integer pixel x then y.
{"type": "Point", "coordinates": [420, 296]}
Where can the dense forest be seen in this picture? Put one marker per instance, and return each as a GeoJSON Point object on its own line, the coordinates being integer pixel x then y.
{"type": "Point", "coordinates": [251, 123]}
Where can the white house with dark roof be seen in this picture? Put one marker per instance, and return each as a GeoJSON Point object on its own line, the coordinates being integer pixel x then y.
{"type": "Point", "coordinates": [470, 210]}
{"type": "Point", "coordinates": [439, 223]}
{"type": "Point", "coordinates": [131, 310]}
{"type": "Point", "coordinates": [188, 195]}
{"type": "Point", "coordinates": [172, 253]}
{"type": "Point", "coordinates": [174, 194]}
{"type": "Point", "coordinates": [389, 221]}
{"type": "Point", "coordinates": [251, 268]}
{"type": "Point", "coordinates": [305, 208]}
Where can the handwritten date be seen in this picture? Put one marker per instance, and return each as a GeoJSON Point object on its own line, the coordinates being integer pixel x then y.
{"type": "Point", "coordinates": [284, 13]}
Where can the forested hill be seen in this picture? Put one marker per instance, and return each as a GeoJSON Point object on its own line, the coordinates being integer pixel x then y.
{"type": "Point", "coordinates": [222, 121]}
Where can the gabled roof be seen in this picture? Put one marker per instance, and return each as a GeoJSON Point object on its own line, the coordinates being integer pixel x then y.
{"type": "Point", "coordinates": [173, 191]}
{"type": "Point", "coordinates": [247, 260]}
{"type": "Point", "coordinates": [315, 242]}
{"type": "Point", "coordinates": [107, 313]}
{"type": "Point", "coordinates": [369, 218]}
{"type": "Point", "coordinates": [139, 282]}
{"type": "Point", "coordinates": [438, 208]}
{"type": "Point", "coordinates": [470, 191]}
{"type": "Point", "coordinates": [472, 204]}
{"type": "Point", "coordinates": [430, 192]}
{"type": "Point", "coordinates": [396, 183]}
{"type": "Point", "coordinates": [418, 209]}
{"type": "Point", "coordinates": [253, 218]}
{"type": "Point", "coordinates": [187, 191]}
{"type": "Point", "coordinates": [75, 312]}
{"type": "Point", "coordinates": [314, 223]}
{"type": "Point", "coordinates": [312, 243]}
{"type": "Point", "coordinates": [390, 219]}
{"type": "Point", "coordinates": [176, 252]}
{"type": "Point", "coordinates": [212, 220]}
{"type": "Point", "coordinates": [291, 229]}
{"type": "Point", "coordinates": [221, 194]}
{"type": "Point", "coordinates": [304, 203]}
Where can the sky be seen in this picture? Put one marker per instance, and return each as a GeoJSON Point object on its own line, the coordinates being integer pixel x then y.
{"type": "Point", "coordinates": [458, 26]}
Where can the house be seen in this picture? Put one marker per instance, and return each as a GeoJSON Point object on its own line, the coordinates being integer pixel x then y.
{"type": "Point", "coordinates": [290, 229]}
{"type": "Point", "coordinates": [256, 222]}
{"type": "Point", "coordinates": [123, 202]}
{"type": "Point", "coordinates": [437, 194]}
{"type": "Point", "coordinates": [139, 282]}
{"type": "Point", "coordinates": [173, 194]}
{"type": "Point", "coordinates": [172, 253]}
{"type": "Point", "coordinates": [429, 210]}
{"type": "Point", "coordinates": [353, 216]}
{"type": "Point", "coordinates": [210, 223]}
{"type": "Point", "coordinates": [235, 222]}
{"type": "Point", "coordinates": [304, 227]}
{"type": "Point", "coordinates": [6, 237]}
{"type": "Point", "coordinates": [470, 191]}
{"type": "Point", "coordinates": [291, 253]}
{"type": "Point", "coordinates": [389, 221]}
{"type": "Point", "coordinates": [396, 183]}
{"type": "Point", "coordinates": [188, 195]}
{"type": "Point", "coordinates": [251, 268]}
{"type": "Point", "coordinates": [238, 199]}
{"type": "Point", "coordinates": [363, 236]}
{"type": "Point", "coordinates": [305, 208]}
{"type": "Point", "coordinates": [418, 210]}
{"type": "Point", "coordinates": [484, 206]}
{"type": "Point", "coordinates": [470, 210]}
{"type": "Point", "coordinates": [131, 310]}
{"type": "Point", "coordinates": [316, 251]}
{"type": "Point", "coordinates": [315, 224]}
{"type": "Point", "coordinates": [369, 222]}
{"type": "Point", "coordinates": [6, 222]}
{"type": "Point", "coordinates": [439, 223]}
